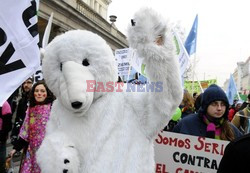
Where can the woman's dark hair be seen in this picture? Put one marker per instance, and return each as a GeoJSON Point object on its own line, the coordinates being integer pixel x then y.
{"type": "Point", "coordinates": [227, 132]}
{"type": "Point", "coordinates": [49, 99]}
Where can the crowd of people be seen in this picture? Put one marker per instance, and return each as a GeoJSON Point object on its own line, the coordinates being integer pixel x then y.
{"type": "Point", "coordinates": [211, 116]}
{"type": "Point", "coordinates": [207, 114]}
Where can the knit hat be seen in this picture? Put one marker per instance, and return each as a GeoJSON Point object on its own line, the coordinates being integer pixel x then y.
{"type": "Point", "coordinates": [239, 102]}
{"type": "Point", "coordinates": [31, 78]}
{"type": "Point", "coordinates": [211, 94]}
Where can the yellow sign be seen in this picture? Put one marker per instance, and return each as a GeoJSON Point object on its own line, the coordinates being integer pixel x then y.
{"type": "Point", "coordinates": [204, 84]}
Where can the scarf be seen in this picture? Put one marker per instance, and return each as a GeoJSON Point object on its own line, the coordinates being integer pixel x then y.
{"type": "Point", "coordinates": [213, 127]}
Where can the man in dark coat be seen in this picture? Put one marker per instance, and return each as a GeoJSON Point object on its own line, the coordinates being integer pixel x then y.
{"type": "Point", "coordinates": [21, 109]}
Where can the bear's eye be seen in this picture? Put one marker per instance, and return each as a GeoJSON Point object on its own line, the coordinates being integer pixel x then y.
{"type": "Point", "coordinates": [61, 66]}
{"type": "Point", "coordinates": [85, 62]}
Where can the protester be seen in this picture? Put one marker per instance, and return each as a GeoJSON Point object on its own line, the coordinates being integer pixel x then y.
{"type": "Point", "coordinates": [244, 104]}
{"type": "Point", "coordinates": [5, 128]}
{"type": "Point", "coordinates": [187, 104]}
{"type": "Point", "coordinates": [234, 109]}
{"type": "Point", "coordinates": [12, 100]}
{"type": "Point", "coordinates": [197, 103]}
{"type": "Point", "coordinates": [236, 156]}
{"type": "Point", "coordinates": [242, 119]}
{"type": "Point", "coordinates": [33, 128]}
{"type": "Point", "coordinates": [211, 120]}
{"type": "Point", "coordinates": [195, 95]}
{"type": "Point", "coordinates": [21, 109]}
{"type": "Point", "coordinates": [234, 103]}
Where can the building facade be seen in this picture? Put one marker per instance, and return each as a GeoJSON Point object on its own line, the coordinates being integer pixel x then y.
{"type": "Point", "coordinates": [242, 77]}
{"type": "Point", "coordinates": [80, 14]}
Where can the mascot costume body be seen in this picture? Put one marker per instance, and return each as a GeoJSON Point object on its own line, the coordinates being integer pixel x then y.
{"type": "Point", "coordinates": [107, 132]}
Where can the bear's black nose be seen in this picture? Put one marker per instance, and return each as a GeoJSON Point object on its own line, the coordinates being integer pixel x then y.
{"type": "Point", "coordinates": [76, 104]}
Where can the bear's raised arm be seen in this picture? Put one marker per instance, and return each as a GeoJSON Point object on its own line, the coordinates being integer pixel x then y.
{"type": "Point", "coordinates": [153, 41]}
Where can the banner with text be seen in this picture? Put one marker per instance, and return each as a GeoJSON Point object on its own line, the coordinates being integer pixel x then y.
{"type": "Point", "coordinates": [38, 74]}
{"type": "Point", "coordinates": [178, 153]}
{"type": "Point", "coordinates": [122, 60]}
{"type": "Point", "coordinates": [19, 51]}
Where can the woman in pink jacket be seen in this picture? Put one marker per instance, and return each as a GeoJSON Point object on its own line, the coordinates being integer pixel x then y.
{"type": "Point", "coordinates": [32, 131]}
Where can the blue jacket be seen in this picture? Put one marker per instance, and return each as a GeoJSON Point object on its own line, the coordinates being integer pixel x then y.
{"type": "Point", "coordinates": [194, 125]}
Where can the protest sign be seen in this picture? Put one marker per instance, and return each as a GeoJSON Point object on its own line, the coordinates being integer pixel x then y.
{"type": "Point", "coordinates": [121, 56]}
{"type": "Point", "coordinates": [179, 153]}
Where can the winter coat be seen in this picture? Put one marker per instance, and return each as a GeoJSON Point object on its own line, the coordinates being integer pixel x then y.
{"type": "Point", "coordinates": [241, 120]}
{"type": "Point", "coordinates": [20, 115]}
{"type": "Point", "coordinates": [231, 114]}
{"type": "Point", "coordinates": [33, 132]}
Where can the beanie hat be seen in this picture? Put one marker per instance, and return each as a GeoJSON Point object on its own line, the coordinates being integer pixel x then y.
{"type": "Point", "coordinates": [211, 94]}
{"type": "Point", "coordinates": [239, 102]}
{"type": "Point", "coordinates": [31, 78]}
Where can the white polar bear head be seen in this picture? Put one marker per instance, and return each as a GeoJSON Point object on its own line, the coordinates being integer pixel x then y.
{"type": "Point", "coordinates": [73, 59]}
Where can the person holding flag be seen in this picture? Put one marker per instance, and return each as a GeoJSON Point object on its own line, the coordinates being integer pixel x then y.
{"type": "Point", "coordinates": [242, 118]}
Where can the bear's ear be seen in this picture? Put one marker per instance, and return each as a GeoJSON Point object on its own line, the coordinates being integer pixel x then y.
{"type": "Point", "coordinates": [42, 51]}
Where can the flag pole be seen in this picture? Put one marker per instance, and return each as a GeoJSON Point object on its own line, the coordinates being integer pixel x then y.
{"type": "Point", "coordinates": [193, 74]}
{"type": "Point", "coordinates": [199, 83]}
{"type": "Point", "coordinates": [190, 45]}
{"type": "Point", "coordinates": [238, 95]}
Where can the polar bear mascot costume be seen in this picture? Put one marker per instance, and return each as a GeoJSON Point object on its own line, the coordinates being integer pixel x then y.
{"type": "Point", "coordinates": [99, 131]}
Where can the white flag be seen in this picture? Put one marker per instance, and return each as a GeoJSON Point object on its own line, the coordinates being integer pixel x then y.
{"type": "Point", "coordinates": [181, 53]}
{"type": "Point", "coordinates": [47, 32]}
{"type": "Point", "coordinates": [19, 51]}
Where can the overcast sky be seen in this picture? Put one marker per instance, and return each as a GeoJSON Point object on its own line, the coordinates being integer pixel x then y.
{"type": "Point", "coordinates": [223, 29]}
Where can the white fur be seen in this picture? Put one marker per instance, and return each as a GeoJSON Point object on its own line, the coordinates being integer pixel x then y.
{"type": "Point", "coordinates": [114, 131]}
